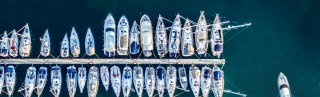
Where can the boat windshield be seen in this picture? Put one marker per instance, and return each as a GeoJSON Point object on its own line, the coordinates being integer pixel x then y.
{"type": "Point", "coordinates": [127, 75]}
{"type": "Point", "coordinates": [284, 86]}
{"type": "Point", "coordinates": [10, 70]}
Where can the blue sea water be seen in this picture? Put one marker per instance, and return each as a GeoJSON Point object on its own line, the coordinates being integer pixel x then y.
{"type": "Point", "coordinates": [284, 36]}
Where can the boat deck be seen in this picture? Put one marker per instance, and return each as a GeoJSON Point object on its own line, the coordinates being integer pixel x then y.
{"type": "Point", "coordinates": [114, 61]}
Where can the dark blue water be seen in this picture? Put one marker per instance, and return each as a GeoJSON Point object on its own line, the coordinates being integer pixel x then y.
{"type": "Point", "coordinates": [284, 36]}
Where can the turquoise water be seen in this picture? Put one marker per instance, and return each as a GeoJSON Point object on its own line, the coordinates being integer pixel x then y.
{"type": "Point", "coordinates": [284, 36]}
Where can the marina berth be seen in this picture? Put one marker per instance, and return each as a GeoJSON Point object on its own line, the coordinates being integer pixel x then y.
{"type": "Point", "coordinates": [64, 50]}
{"type": "Point", "coordinates": [217, 82]}
{"type": "Point", "coordinates": [10, 79]}
{"type": "Point", "coordinates": [160, 82]}
{"type": "Point", "coordinates": [82, 78]}
{"type": "Point", "coordinates": [71, 80]}
{"type": "Point", "coordinates": [217, 37]}
{"type": "Point", "coordinates": [201, 34]}
{"type": "Point", "coordinates": [150, 80]}
{"type": "Point", "coordinates": [93, 81]}
{"type": "Point", "coordinates": [29, 81]}
{"type": "Point", "coordinates": [175, 37]}
{"type": "Point", "coordinates": [56, 81]}
{"type": "Point", "coordinates": [187, 42]}
{"type": "Point", "coordinates": [45, 44]}
{"type": "Point", "coordinates": [138, 80]}
{"type": "Point", "coordinates": [1, 79]}
{"type": "Point", "coordinates": [126, 81]}
{"type": "Point", "coordinates": [115, 79]}
{"type": "Point", "coordinates": [146, 36]}
{"type": "Point", "coordinates": [74, 43]}
{"type": "Point", "coordinates": [109, 36]}
{"type": "Point", "coordinates": [25, 42]}
{"type": "Point", "coordinates": [4, 45]}
{"type": "Point", "coordinates": [123, 36]}
{"type": "Point", "coordinates": [134, 40]}
{"type": "Point", "coordinates": [171, 80]}
{"type": "Point", "coordinates": [41, 80]}
{"type": "Point", "coordinates": [14, 44]}
{"type": "Point", "coordinates": [104, 76]}
{"type": "Point", "coordinates": [161, 38]}
{"type": "Point", "coordinates": [89, 43]}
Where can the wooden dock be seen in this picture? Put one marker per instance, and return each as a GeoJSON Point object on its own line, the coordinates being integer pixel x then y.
{"type": "Point", "coordinates": [114, 61]}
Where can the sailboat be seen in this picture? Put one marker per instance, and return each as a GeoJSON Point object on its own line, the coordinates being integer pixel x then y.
{"type": "Point", "coordinates": [74, 43]}
{"type": "Point", "coordinates": [10, 78]}
{"type": "Point", "coordinates": [14, 44]}
{"type": "Point", "coordinates": [146, 35]}
{"type": "Point", "coordinates": [150, 80]}
{"type": "Point", "coordinates": [201, 34]}
{"type": "Point", "coordinates": [205, 81]}
{"type": "Point", "coordinates": [217, 85]}
{"type": "Point", "coordinates": [161, 38]}
{"type": "Point", "coordinates": [126, 81]}
{"type": "Point", "coordinates": [161, 76]}
{"type": "Point", "coordinates": [174, 38]}
{"type": "Point", "coordinates": [1, 78]}
{"type": "Point", "coordinates": [29, 81]}
{"type": "Point", "coordinates": [4, 45]}
{"type": "Point", "coordinates": [171, 80]}
{"type": "Point", "coordinates": [45, 44]}
{"type": "Point", "coordinates": [56, 81]}
{"type": "Point", "coordinates": [82, 78]}
{"type": "Point", "coordinates": [217, 37]}
{"type": "Point", "coordinates": [25, 42]}
{"type": "Point", "coordinates": [134, 41]}
{"type": "Point", "coordinates": [123, 36]}
{"type": "Point", "coordinates": [138, 80]}
{"type": "Point", "coordinates": [41, 80]}
{"type": "Point", "coordinates": [116, 80]}
{"type": "Point", "coordinates": [109, 47]}
{"type": "Point", "coordinates": [283, 86]}
{"type": "Point", "coordinates": [65, 46]}
{"type": "Point", "coordinates": [104, 76]}
{"type": "Point", "coordinates": [187, 48]}
{"type": "Point", "coordinates": [89, 43]}
{"type": "Point", "coordinates": [71, 80]}
{"type": "Point", "coordinates": [194, 79]}
{"type": "Point", "coordinates": [183, 78]}
{"type": "Point", "coordinates": [93, 81]}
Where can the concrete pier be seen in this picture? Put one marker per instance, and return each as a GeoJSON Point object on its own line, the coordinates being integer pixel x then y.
{"type": "Point", "coordinates": [114, 61]}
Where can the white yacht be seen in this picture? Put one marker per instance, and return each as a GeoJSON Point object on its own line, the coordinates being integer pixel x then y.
{"type": "Point", "coordinates": [134, 43]}
{"type": "Point", "coordinates": [104, 76]}
{"type": "Point", "coordinates": [109, 46]}
{"type": "Point", "coordinates": [82, 78]}
{"type": "Point", "coordinates": [123, 36]}
{"type": "Point", "coordinates": [146, 35]}
{"type": "Point", "coordinates": [183, 78]}
{"type": "Point", "coordinates": [29, 81]}
{"type": "Point", "coordinates": [4, 45]}
{"type": "Point", "coordinates": [201, 34]}
{"type": "Point", "coordinates": [14, 44]}
{"type": "Point", "coordinates": [41, 80]}
{"type": "Point", "coordinates": [150, 80]}
{"type": "Point", "coordinates": [217, 84]}
{"type": "Point", "coordinates": [93, 81]}
{"type": "Point", "coordinates": [174, 38]}
{"type": "Point", "coordinates": [10, 78]}
{"type": "Point", "coordinates": [187, 47]}
{"type": "Point", "coordinates": [56, 81]}
{"type": "Point", "coordinates": [89, 43]}
{"type": "Point", "coordinates": [72, 80]}
{"type": "Point", "coordinates": [161, 38]}
{"type": "Point", "coordinates": [65, 47]}
{"type": "Point", "coordinates": [116, 79]}
{"type": "Point", "coordinates": [171, 80]}
{"type": "Point", "coordinates": [205, 81]}
{"type": "Point", "coordinates": [126, 81]}
{"type": "Point", "coordinates": [161, 76]}
{"type": "Point", "coordinates": [45, 44]}
{"type": "Point", "coordinates": [138, 80]}
{"type": "Point", "coordinates": [283, 86]}
{"type": "Point", "coordinates": [74, 43]}
{"type": "Point", "coordinates": [194, 79]}
{"type": "Point", "coordinates": [25, 42]}
{"type": "Point", "coordinates": [1, 79]}
{"type": "Point", "coordinates": [217, 37]}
